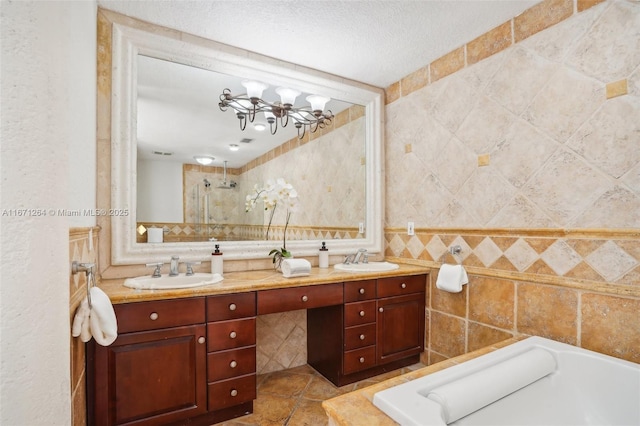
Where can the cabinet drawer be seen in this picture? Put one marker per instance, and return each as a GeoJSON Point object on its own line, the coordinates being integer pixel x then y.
{"type": "Point", "coordinates": [232, 363]}
{"type": "Point", "coordinates": [290, 299]}
{"type": "Point", "coordinates": [396, 286]}
{"type": "Point", "coordinates": [359, 359]}
{"type": "Point", "coordinates": [359, 290]}
{"type": "Point", "coordinates": [359, 336]}
{"type": "Point", "coordinates": [231, 334]}
{"type": "Point", "coordinates": [357, 313]}
{"type": "Point", "coordinates": [231, 306]}
{"type": "Point", "coordinates": [228, 393]}
{"type": "Point", "coordinates": [158, 314]}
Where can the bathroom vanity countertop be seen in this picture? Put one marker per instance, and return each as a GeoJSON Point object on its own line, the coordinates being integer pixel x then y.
{"type": "Point", "coordinates": [238, 282]}
{"type": "Point", "coordinates": [356, 408]}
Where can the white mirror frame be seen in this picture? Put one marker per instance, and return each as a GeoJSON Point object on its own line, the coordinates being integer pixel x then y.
{"type": "Point", "coordinates": [127, 43]}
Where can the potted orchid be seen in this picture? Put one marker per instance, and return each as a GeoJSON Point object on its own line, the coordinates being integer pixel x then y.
{"type": "Point", "coordinates": [273, 194]}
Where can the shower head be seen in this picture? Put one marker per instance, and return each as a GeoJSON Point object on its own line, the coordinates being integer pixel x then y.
{"type": "Point", "coordinates": [225, 184]}
{"type": "Point", "coordinates": [207, 184]}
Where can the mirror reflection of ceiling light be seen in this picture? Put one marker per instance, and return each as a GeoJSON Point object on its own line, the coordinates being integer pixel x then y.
{"type": "Point", "coordinates": [205, 160]}
{"type": "Point", "coordinates": [259, 127]}
{"type": "Point", "coordinates": [234, 147]}
{"type": "Point", "coordinates": [247, 105]}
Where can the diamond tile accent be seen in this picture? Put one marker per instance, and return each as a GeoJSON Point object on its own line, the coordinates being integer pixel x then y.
{"type": "Point", "coordinates": [415, 246]}
{"type": "Point", "coordinates": [488, 252]}
{"type": "Point", "coordinates": [521, 255]}
{"type": "Point", "coordinates": [611, 261]}
{"type": "Point", "coordinates": [436, 248]}
{"type": "Point", "coordinates": [561, 257]}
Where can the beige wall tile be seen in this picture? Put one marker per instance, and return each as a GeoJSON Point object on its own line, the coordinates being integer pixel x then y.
{"type": "Point", "coordinates": [586, 4]}
{"type": "Point", "coordinates": [481, 336]}
{"type": "Point", "coordinates": [489, 43]}
{"type": "Point", "coordinates": [447, 334]}
{"type": "Point", "coordinates": [451, 303]}
{"type": "Point", "coordinates": [392, 93]}
{"type": "Point", "coordinates": [610, 325]}
{"type": "Point", "coordinates": [491, 302]}
{"type": "Point", "coordinates": [541, 16]}
{"type": "Point", "coordinates": [448, 64]}
{"type": "Point", "coordinates": [617, 88]}
{"type": "Point", "coordinates": [414, 81]}
{"type": "Point", "coordinates": [548, 312]}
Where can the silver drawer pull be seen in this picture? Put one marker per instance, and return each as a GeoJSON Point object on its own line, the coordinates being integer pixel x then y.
{"type": "Point", "coordinates": [403, 285]}
{"type": "Point", "coordinates": [362, 337]}
{"type": "Point", "coordinates": [380, 309]}
{"type": "Point", "coordinates": [201, 340]}
{"type": "Point", "coordinates": [233, 335]}
{"type": "Point", "coordinates": [361, 313]}
{"type": "Point", "coordinates": [233, 307]}
{"type": "Point", "coordinates": [234, 392]}
{"type": "Point", "coordinates": [154, 316]}
{"type": "Point", "coordinates": [233, 364]}
{"type": "Point", "coordinates": [305, 298]}
{"type": "Point", "coordinates": [362, 291]}
{"type": "Point", "coordinates": [361, 359]}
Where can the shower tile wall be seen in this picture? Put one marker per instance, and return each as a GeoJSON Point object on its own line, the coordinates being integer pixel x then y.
{"type": "Point", "coordinates": [523, 147]}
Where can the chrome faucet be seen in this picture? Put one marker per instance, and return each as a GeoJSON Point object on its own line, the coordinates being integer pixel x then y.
{"type": "Point", "coordinates": [355, 257]}
{"type": "Point", "coordinates": [156, 271]}
{"type": "Point", "coordinates": [173, 269]}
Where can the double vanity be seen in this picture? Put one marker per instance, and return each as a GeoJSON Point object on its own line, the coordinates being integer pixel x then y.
{"type": "Point", "coordinates": [188, 356]}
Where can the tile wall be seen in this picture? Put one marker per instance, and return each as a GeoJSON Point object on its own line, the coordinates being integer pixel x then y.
{"type": "Point", "coordinates": [83, 247]}
{"type": "Point", "coordinates": [523, 147]}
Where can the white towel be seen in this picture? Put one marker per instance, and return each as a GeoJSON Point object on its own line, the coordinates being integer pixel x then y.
{"type": "Point", "coordinates": [98, 321]}
{"type": "Point", "coordinates": [451, 278]}
{"type": "Point", "coordinates": [295, 268]}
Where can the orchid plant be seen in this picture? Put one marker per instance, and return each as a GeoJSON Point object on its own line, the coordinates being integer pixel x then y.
{"type": "Point", "coordinates": [273, 194]}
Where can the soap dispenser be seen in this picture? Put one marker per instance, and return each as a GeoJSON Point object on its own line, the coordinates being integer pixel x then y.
{"type": "Point", "coordinates": [323, 257]}
{"type": "Point", "coordinates": [216, 261]}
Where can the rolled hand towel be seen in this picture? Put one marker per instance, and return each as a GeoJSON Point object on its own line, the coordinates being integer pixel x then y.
{"type": "Point", "coordinates": [295, 268]}
{"type": "Point", "coordinates": [451, 278]}
{"type": "Point", "coordinates": [81, 325]}
{"type": "Point", "coordinates": [104, 326]}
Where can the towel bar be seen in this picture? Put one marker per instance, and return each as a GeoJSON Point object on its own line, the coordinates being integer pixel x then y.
{"type": "Point", "coordinates": [88, 269]}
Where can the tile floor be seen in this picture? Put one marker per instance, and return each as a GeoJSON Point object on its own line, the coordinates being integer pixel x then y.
{"type": "Point", "coordinates": [293, 397]}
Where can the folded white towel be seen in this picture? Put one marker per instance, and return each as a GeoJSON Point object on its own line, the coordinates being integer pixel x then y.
{"type": "Point", "coordinates": [104, 326]}
{"type": "Point", "coordinates": [451, 278]}
{"type": "Point", "coordinates": [295, 268]}
{"type": "Point", "coordinates": [98, 322]}
{"type": "Point", "coordinates": [81, 325]}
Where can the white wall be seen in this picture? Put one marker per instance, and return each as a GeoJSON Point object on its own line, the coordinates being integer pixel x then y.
{"type": "Point", "coordinates": [159, 191]}
{"type": "Point", "coordinates": [47, 161]}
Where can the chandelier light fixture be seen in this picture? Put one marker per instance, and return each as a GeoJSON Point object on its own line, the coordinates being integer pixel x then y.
{"type": "Point", "coordinates": [246, 107]}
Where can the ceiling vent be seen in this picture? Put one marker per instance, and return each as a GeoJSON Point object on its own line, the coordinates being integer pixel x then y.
{"type": "Point", "coordinates": [162, 153]}
{"type": "Point", "coordinates": [246, 140]}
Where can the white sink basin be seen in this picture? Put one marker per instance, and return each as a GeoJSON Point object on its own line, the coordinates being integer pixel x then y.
{"type": "Point", "coordinates": [166, 282]}
{"type": "Point", "coordinates": [366, 267]}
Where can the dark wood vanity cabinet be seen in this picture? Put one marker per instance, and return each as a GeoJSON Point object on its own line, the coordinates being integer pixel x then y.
{"type": "Point", "coordinates": [155, 371]}
{"type": "Point", "coordinates": [175, 362]}
{"type": "Point", "coordinates": [379, 328]}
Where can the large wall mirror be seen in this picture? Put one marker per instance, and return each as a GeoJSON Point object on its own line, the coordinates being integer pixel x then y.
{"type": "Point", "coordinates": [165, 93]}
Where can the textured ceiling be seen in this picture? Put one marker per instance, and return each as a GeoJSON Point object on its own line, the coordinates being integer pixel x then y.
{"type": "Point", "coordinates": [374, 42]}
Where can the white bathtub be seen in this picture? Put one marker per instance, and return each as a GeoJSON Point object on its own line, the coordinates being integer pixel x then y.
{"type": "Point", "coordinates": [563, 385]}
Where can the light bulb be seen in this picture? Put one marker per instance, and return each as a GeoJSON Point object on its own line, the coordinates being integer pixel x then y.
{"type": "Point", "coordinates": [234, 147]}
{"type": "Point", "coordinates": [254, 88]}
{"type": "Point", "coordinates": [317, 102]}
{"type": "Point", "coordinates": [287, 96]}
{"type": "Point", "coordinates": [205, 160]}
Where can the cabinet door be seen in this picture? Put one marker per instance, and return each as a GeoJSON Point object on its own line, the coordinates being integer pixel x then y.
{"type": "Point", "coordinates": [151, 377]}
{"type": "Point", "coordinates": [400, 325]}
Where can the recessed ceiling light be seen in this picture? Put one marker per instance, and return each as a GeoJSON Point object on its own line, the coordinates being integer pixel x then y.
{"type": "Point", "coordinates": [234, 147]}
{"type": "Point", "coordinates": [259, 127]}
{"type": "Point", "coordinates": [205, 160]}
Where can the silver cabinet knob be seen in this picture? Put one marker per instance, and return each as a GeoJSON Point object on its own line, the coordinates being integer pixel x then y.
{"type": "Point", "coordinates": [305, 298]}
{"type": "Point", "coordinates": [233, 307]}
{"type": "Point", "coordinates": [361, 313]}
{"type": "Point", "coordinates": [233, 335]}
{"type": "Point", "coordinates": [233, 364]}
{"type": "Point", "coordinates": [380, 309]}
{"type": "Point", "coordinates": [403, 285]}
{"type": "Point", "coordinates": [154, 316]}
{"type": "Point", "coordinates": [234, 392]}
{"type": "Point", "coordinates": [201, 340]}
{"type": "Point", "coordinates": [362, 291]}
{"type": "Point", "coordinates": [362, 337]}
{"type": "Point", "coordinates": [361, 359]}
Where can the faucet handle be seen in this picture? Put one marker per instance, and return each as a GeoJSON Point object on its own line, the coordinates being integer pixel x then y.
{"type": "Point", "coordinates": [156, 272]}
{"type": "Point", "coordinates": [190, 267]}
